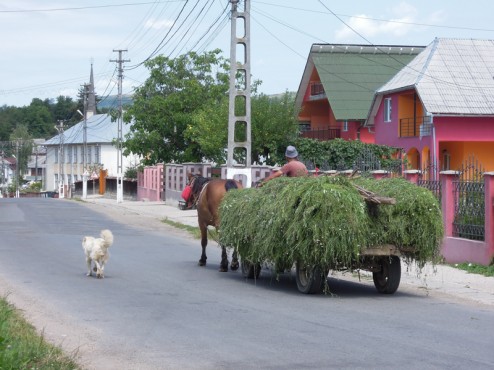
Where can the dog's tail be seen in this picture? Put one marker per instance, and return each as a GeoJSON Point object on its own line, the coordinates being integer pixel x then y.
{"type": "Point", "coordinates": [107, 236]}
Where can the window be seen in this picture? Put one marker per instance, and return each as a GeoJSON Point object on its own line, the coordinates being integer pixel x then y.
{"type": "Point", "coordinates": [316, 89]}
{"type": "Point", "coordinates": [345, 126]}
{"type": "Point", "coordinates": [89, 155]}
{"type": "Point", "coordinates": [82, 154]}
{"type": "Point", "coordinates": [57, 150]}
{"type": "Point", "coordinates": [446, 160]}
{"type": "Point", "coordinates": [69, 153]}
{"type": "Point", "coordinates": [74, 154]}
{"type": "Point", "coordinates": [97, 152]}
{"type": "Point", "coordinates": [387, 110]}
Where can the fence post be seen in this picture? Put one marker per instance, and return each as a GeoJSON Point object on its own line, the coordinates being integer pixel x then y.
{"type": "Point", "coordinates": [489, 215]}
{"type": "Point", "coordinates": [412, 176]}
{"type": "Point", "coordinates": [448, 200]}
{"type": "Point", "coordinates": [379, 174]}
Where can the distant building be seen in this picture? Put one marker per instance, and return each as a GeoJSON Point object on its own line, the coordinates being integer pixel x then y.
{"type": "Point", "coordinates": [64, 152]}
{"type": "Point", "coordinates": [101, 152]}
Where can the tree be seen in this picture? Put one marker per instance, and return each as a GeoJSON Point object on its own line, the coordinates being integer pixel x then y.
{"type": "Point", "coordinates": [173, 97]}
{"type": "Point", "coordinates": [38, 118]}
{"type": "Point", "coordinates": [273, 127]}
{"type": "Point", "coordinates": [23, 148]}
{"type": "Point", "coordinates": [65, 109]}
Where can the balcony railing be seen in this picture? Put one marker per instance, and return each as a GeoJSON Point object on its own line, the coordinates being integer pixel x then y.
{"type": "Point", "coordinates": [414, 127]}
{"type": "Point", "coordinates": [322, 135]}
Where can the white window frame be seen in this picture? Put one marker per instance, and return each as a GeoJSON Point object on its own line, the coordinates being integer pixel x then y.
{"type": "Point", "coordinates": [344, 126]}
{"type": "Point", "coordinates": [387, 110]}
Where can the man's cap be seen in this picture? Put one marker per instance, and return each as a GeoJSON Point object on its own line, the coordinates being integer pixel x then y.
{"type": "Point", "coordinates": [291, 152]}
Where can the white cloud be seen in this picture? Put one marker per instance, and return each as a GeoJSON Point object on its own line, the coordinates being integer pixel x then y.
{"type": "Point", "coordinates": [158, 24]}
{"type": "Point", "coordinates": [397, 24]}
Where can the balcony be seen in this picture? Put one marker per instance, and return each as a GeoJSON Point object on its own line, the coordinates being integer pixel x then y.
{"type": "Point", "coordinates": [321, 135]}
{"type": "Point", "coordinates": [416, 126]}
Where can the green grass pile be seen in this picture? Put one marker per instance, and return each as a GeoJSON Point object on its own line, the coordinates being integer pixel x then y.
{"type": "Point", "coordinates": [318, 220]}
{"type": "Point", "coordinates": [325, 221]}
{"type": "Point", "coordinates": [414, 222]}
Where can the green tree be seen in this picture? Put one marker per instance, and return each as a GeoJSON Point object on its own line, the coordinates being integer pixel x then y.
{"type": "Point", "coordinates": [273, 127]}
{"type": "Point", "coordinates": [38, 118]}
{"type": "Point", "coordinates": [65, 109]}
{"type": "Point", "coordinates": [23, 148]}
{"type": "Point", "coordinates": [170, 100]}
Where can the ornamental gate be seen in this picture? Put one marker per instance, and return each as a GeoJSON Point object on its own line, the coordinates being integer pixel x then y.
{"type": "Point", "coordinates": [469, 195]}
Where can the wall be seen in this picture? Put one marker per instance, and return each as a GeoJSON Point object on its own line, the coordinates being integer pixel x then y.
{"type": "Point", "coordinates": [108, 158]}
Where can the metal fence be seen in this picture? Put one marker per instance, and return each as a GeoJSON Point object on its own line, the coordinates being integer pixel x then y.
{"type": "Point", "coordinates": [469, 194]}
{"type": "Point", "coordinates": [429, 179]}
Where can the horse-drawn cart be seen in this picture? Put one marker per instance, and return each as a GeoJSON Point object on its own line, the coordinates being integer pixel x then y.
{"type": "Point", "coordinates": [322, 224]}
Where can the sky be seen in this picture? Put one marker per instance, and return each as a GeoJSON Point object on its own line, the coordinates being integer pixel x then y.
{"type": "Point", "coordinates": [47, 47]}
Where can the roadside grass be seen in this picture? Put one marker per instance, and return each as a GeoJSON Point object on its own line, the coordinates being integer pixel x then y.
{"type": "Point", "coordinates": [476, 269]}
{"type": "Point", "coordinates": [192, 230]}
{"type": "Point", "coordinates": [22, 348]}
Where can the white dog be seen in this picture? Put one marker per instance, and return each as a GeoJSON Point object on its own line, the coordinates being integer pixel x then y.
{"type": "Point", "coordinates": [96, 250]}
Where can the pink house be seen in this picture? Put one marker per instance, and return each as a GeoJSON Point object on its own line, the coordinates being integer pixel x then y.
{"type": "Point", "coordinates": [440, 107]}
{"type": "Point", "coordinates": [440, 110]}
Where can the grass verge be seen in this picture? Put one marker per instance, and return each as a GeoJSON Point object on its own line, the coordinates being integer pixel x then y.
{"type": "Point", "coordinates": [192, 230]}
{"type": "Point", "coordinates": [476, 269]}
{"type": "Point", "coordinates": [22, 348]}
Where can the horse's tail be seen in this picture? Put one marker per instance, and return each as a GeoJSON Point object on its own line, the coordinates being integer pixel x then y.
{"type": "Point", "coordinates": [230, 184]}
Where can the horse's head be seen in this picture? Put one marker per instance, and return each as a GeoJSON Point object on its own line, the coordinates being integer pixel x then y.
{"type": "Point", "coordinates": [196, 184]}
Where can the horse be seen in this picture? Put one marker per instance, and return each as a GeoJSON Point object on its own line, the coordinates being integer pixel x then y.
{"type": "Point", "coordinates": [207, 194]}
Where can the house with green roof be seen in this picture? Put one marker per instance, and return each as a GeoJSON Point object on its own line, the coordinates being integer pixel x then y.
{"type": "Point", "coordinates": [338, 86]}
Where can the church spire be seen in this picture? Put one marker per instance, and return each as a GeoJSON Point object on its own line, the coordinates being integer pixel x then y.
{"type": "Point", "coordinates": [91, 99]}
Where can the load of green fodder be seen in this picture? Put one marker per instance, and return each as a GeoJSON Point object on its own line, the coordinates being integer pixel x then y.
{"type": "Point", "coordinates": [415, 222]}
{"type": "Point", "coordinates": [325, 220]}
{"type": "Point", "coordinates": [320, 221]}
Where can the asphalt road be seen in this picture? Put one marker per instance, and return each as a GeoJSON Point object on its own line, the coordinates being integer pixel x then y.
{"type": "Point", "coordinates": [156, 309]}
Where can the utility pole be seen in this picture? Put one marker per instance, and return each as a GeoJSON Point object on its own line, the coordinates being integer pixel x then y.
{"type": "Point", "coordinates": [61, 162]}
{"type": "Point", "coordinates": [240, 96]}
{"type": "Point", "coordinates": [120, 62]}
{"type": "Point", "coordinates": [84, 144]}
{"type": "Point", "coordinates": [17, 195]}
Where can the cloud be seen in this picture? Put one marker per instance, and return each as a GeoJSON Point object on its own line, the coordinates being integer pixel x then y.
{"type": "Point", "coordinates": [397, 24]}
{"type": "Point", "coordinates": [158, 24]}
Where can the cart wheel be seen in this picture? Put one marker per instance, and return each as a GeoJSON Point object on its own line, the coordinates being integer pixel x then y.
{"type": "Point", "coordinates": [250, 270]}
{"type": "Point", "coordinates": [309, 280]}
{"type": "Point", "coordinates": [387, 280]}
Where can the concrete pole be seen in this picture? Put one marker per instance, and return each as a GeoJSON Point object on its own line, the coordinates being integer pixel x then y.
{"type": "Point", "coordinates": [241, 68]}
{"type": "Point", "coordinates": [84, 145]}
{"type": "Point", "coordinates": [120, 62]}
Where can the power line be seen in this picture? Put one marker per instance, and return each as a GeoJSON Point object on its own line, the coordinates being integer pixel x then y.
{"type": "Point", "coordinates": [84, 7]}
{"type": "Point", "coordinates": [379, 19]}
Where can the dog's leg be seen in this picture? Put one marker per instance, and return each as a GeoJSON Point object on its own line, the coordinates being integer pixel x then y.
{"type": "Point", "coordinates": [99, 269]}
{"type": "Point", "coordinates": [88, 262]}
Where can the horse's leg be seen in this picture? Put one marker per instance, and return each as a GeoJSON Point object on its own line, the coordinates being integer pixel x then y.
{"type": "Point", "coordinates": [224, 260]}
{"type": "Point", "coordinates": [234, 265]}
{"type": "Point", "coordinates": [204, 243]}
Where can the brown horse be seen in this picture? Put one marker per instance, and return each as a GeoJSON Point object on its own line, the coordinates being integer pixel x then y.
{"type": "Point", "coordinates": [207, 195]}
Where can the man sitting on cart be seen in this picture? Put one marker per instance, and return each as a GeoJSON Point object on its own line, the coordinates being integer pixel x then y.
{"type": "Point", "coordinates": [293, 167]}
